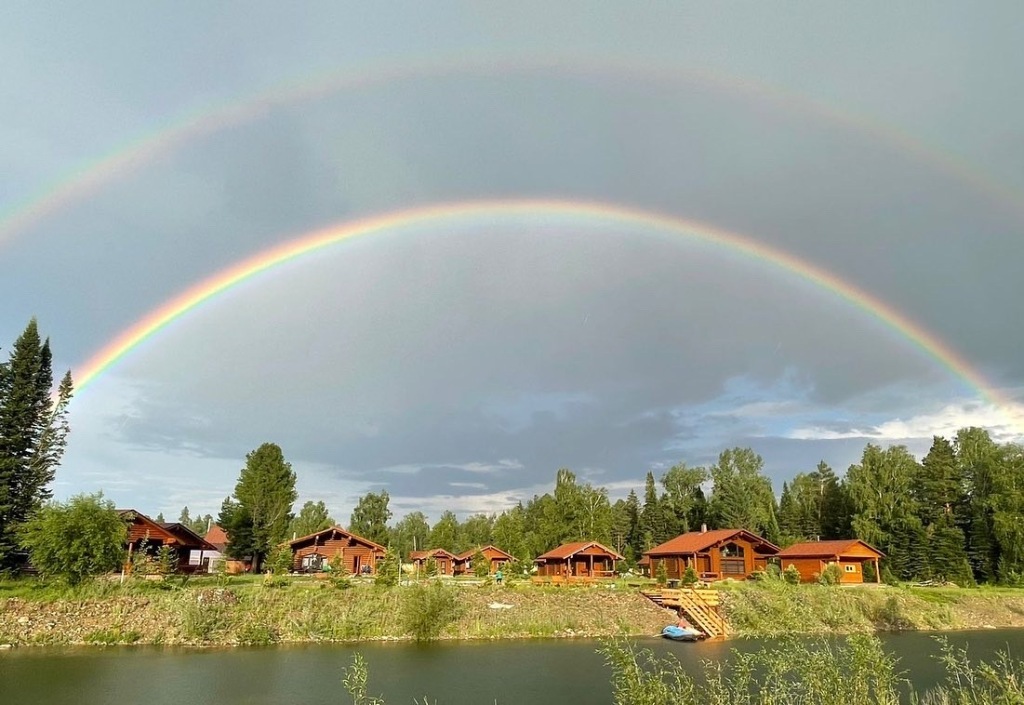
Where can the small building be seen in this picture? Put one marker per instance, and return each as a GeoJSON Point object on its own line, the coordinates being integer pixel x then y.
{"type": "Point", "coordinates": [579, 559]}
{"type": "Point", "coordinates": [315, 552]}
{"type": "Point", "coordinates": [150, 536]}
{"type": "Point", "coordinates": [717, 554]}
{"type": "Point", "coordinates": [812, 557]}
{"type": "Point", "coordinates": [445, 561]}
{"type": "Point", "coordinates": [208, 561]}
{"type": "Point", "coordinates": [495, 557]}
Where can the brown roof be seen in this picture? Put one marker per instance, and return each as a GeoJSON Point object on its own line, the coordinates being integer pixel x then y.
{"type": "Point", "coordinates": [187, 537]}
{"type": "Point", "coordinates": [466, 555]}
{"type": "Point", "coordinates": [337, 529]}
{"type": "Point", "coordinates": [432, 553]}
{"type": "Point", "coordinates": [218, 537]}
{"type": "Point", "coordinates": [569, 549]}
{"type": "Point", "coordinates": [697, 541]}
{"type": "Point", "coordinates": [816, 549]}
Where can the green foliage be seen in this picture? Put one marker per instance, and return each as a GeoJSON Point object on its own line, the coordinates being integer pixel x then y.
{"type": "Point", "coordinates": [791, 575]}
{"type": "Point", "coordinates": [388, 570]}
{"type": "Point", "coordinates": [281, 560]}
{"type": "Point", "coordinates": [690, 576]}
{"type": "Point", "coordinates": [743, 496]}
{"type": "Point", "coordinates": [73, 541]}
{"type": "Point", "coordinates": [112, 635]}
{"type": "Point", "coordinates": [355, 679]}
{"type": "Point", "coordinates": [166, 560]}
{"type": "Point", "coordinates": [430, 567]}
{"type": "Point", "coordinates": [661, 572]}
{"type": "Point", "coordinates": [427, 609]}
{"type": "Point", "coordinates": [257, 519]}
{"type": "Point", "coordinates": [412, 533]}
{"type": "Point", "coordinates": [370, 517]}
{"type": "Point", "coordinates": [481, 565]}
{"type": "Point", "coordinates": [445, 533]}
{"type": "Point", "coordinates": [33, 435]}
{"type": "Point", "coordinates": [200, 524]}
{"type": "Point", "coordinates": [313, 517]}
{"type": "Point", "coordinates": [832, 575]}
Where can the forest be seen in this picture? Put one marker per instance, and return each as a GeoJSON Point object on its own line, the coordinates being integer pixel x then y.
{"type": "Point", "coordinates": [957, 515]}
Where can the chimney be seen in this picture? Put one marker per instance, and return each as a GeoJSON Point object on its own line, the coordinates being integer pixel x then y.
{"type": "Point", "coordinates": [703, 528]}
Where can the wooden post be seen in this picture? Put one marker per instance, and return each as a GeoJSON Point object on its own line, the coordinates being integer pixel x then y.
{"type": "Point", "coordinates": [878, 573]}
{"type": "Point", "coordinates": [591, 565]}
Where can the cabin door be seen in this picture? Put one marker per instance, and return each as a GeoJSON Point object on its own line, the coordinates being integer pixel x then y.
{"type": "Point", "coordinates": [356, 564]}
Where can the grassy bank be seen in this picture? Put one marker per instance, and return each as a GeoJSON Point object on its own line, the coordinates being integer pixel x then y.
{"type": "Point", "coordinates": [776, 608]}
{"type": "Point", "coordinates": [252, 611]}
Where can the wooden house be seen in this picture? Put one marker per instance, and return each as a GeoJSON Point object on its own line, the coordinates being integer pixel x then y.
{"type": "Point", "coordinates": [208, 561]}
{"type": "Point", "coordinates": [580, 559]}
{"type": "Point", "coordinates": [812, 557]}
{"type": "Point", "coordinates": [150, 536]}
{"type": "Point", "coordinates": [495, 557]}
{"type": "Point", "coordinates": [717, 554]}
{"type": "Point", "coordinates": [315, 552]}
{"type": "Point", "coordinates": [445, 561]}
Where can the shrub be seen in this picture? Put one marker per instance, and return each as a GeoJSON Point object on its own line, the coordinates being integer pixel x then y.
{"type": "Point", "coordinates": [427, 609]}
{"type": "Point", "coordinates": [832, 575]}
{"type": "Point", "coordinates": [73, 541]}
{"type": "Point", "coordinates": [166, 560]}
{"type": "Point", "coordinates": [481, 566]}
{"type": "Point", "coordinates": [430, 568]}
{"type": "Point", "coordinates": [281, 561]}
{"type": "Point", "coordinates": [661, 573]}
{"type": "Point", "coordinates": [791, 575]}
{"type": "Point", "coordinates": [388, 570]}
{"type": "Point", "coordinates": [690, 576]}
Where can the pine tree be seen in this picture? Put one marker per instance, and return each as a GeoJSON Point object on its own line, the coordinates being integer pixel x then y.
{"type": "Point", "coordinates": [742, 497]}
{"type": "Point", "coordinates": [370, 517]}
{"type": "Point", "coordinates": [257, 519]}
{"type": "Point", "coordinates": [33, 434]}
{"type": "Point", "coordinates": [311, 518]}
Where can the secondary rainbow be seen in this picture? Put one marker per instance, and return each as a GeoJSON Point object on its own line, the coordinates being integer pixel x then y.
{"type": "Point", "coordinates": [93, 175]}
{"type": "Point", "coordinates": [480, 213]}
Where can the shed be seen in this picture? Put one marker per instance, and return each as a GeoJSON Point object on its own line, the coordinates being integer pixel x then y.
{"type": "Point", "coordinates": [812, 557]}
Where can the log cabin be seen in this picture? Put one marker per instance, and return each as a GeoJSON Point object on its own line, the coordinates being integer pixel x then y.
{"type": "Point", "coordinates": [445, 561]}
{"type": "Point", "coordinates": [714, 555]}
{"type": "Point", "coordinates": [147, 535]}
{"type": "Point", "coordinates": [315, 552]}
{"type": "Point", "coordinates": [579, 559]}
{"type": "Point", "coordinates": [495, 557]}
{"type": "Point", "coordinates": [812, 557]}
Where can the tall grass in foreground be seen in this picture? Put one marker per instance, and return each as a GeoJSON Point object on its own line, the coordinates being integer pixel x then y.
{"type": "Point", "coordinates": [855, 672]}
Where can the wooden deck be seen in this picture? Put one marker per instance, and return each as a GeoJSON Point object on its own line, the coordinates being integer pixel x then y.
{"type": "Point", "coordinates": [700, 606]}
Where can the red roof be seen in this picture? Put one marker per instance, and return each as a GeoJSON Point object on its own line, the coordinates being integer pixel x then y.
{"type": "Point", "coordinates": [697, 541]}
{"type": "Point", "coordinates": [218, 537]}
{"type": "Point", "coordinates": [187, 537]}
{"type": "Point", "coordinates": [567, 550]}
{"type": "Point", "coordinates": [432, 553]}
{"type": "Point", "coordinates": [817, 549]}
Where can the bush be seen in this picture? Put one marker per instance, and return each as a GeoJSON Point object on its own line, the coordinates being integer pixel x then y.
{"type": "Point", "coordinates": [661, 573]}
{"type": "Point", "coordinates": [73, 541]}
{"type": "Point", "coordinates": [281, 561]}
{"type": "Point", "coordinates": [388, 570]}
{"type": "Point", "coordinates": [166, 560]}
{"type": "Point", "coordinates": [791, 575]}
{"type": "Point", "coordinates": [690, 576]}
{"type": "Point", "coordinates": [428, 609]}
{"type": "Point", "coordinates": [481, 566]}
{"type": "Point", "coordinates": [832, 575]}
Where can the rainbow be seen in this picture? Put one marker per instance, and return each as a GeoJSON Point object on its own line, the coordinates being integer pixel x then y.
{"type": "Point", "coordinates": [546, 212]}
{"type": "Point", "coordinates": [93, 175]}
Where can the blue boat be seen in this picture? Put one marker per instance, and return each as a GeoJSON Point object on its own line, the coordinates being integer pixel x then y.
{"type": "Point", "coordinates": [677, 633]}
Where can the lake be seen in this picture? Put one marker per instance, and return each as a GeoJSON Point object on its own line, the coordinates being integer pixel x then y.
{"type": "Point", "coordinates": [454, 673]}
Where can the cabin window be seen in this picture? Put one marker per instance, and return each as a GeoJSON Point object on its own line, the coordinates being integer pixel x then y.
{"type": "Point", "coordinates": [731, 550]}
{"type": "Point", "coordinates": [850, 568]}
{"type": "Point", "coordinates": [313, 561]}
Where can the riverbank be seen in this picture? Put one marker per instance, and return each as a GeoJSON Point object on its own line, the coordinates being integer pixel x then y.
{"type": "Point", "coordinates": [769, 609]}
{"type": "Point", "coordinates": [250, 610]}
{"type": "Point", "coordinates": [204, 612]}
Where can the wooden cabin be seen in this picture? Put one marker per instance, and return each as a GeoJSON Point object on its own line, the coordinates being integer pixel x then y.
{"type": "Point", "coordinates": [445, 561]}
{"type": "Point", "coordinates": [580, 559]}
{"type": "Point", "coordinates": [150, 536]}
{"type": "Point", "coordinates": [714, 555]}
{"type": "Point", "coordinates": [314, 553]}
{"type": "Point", "coordinates": [495, 557]}
{"type": "Point", "coordinates": [812, 557]}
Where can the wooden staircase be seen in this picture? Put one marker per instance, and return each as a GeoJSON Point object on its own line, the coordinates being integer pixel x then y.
{"type": "Point", "coordinates": [699, 606]}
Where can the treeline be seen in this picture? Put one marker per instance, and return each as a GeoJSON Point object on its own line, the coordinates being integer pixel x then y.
{"type": "Point", "coordinates": [957, 515]}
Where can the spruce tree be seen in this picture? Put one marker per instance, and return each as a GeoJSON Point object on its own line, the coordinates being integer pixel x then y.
{"type": "Point", "coordinates": [33, 434]}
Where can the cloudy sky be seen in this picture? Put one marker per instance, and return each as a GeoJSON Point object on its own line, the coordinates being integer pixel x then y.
{"type": "Point", "coordinates": [459, 363]}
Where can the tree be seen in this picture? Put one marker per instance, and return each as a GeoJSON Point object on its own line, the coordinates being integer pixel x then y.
{"type": "Point", "coordinates": [656, 524]}
{"type": "Point", "coordinates": [477, 530]}
{"type": "Point", "coordinates": [445, 533]}
{"type": "Point", "coordinates": [313, 517]}
{"type": "Point", "coordinates": [509, 533]}
{"type": "Point", "coordinates": [410, 534]}
{"type": "Point", "coordinates": [978, 459]}
{"type": "Point", "coordinates": [742, 497]}
{"type": "Point", "coordinates": [370, 517]}
{"type": "Point", "coordinates": [160, 518]}
{"type": "Point", "coordinates": [683, 488]}
{"type": "Point", "coordinates": [257, 519]}
{"type": "Point", "coordinates": [73, 541]}
{"type": "Point", "coordinates": [33, 434]}
{"type": "Point", "coordinates": [481, 566]}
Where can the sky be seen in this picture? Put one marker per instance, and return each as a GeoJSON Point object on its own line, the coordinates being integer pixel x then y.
{"type": "Point", "coordinates": [459, 362]}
